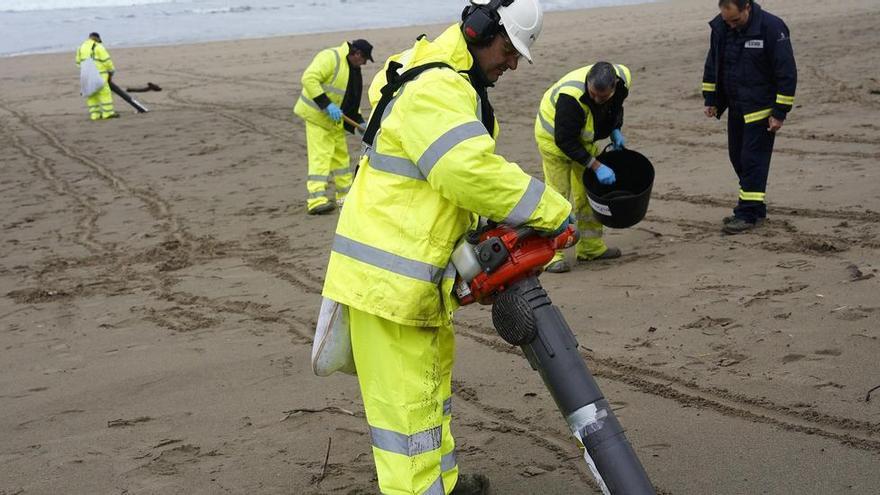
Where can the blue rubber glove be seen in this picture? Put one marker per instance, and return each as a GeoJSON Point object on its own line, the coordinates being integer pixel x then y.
{"type": "Point", "coordinates": [605, 174]}
{"type": "Point", "coordinates": [334, 112]}
{"type": "Point", "coordinates": [618, 139]}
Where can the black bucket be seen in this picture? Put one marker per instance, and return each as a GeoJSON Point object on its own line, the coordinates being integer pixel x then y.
{"type": "Point", "coordinates": [624, 203]}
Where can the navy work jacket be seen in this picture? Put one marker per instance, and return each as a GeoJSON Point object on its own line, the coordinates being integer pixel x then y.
{"type": "Point", "coordinates": [767, 74]}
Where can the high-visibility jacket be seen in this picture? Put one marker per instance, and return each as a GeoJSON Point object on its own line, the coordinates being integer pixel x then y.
{"type": "Point", "coordinates": [766, 71]}
{"type": "Point", "coordinates": [94, 49]}
{"type": "Point", "coordinates": [574, 85]}
{"type": "Point", "coordinates": [419, 189]}
{"type": "Point", "coordinates": [326, 77]}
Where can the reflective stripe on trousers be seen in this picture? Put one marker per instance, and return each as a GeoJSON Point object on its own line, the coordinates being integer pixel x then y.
{"type": "Point", "coordinates": [100, 104]}
{"type": "Point", "coordinates": [405, 376]}
{"type": "Point", "coordinates": [566, 177]}
{"type": "Point", "coordinates": [750, 147]}
{"type": "Point", "coordinates": [328, 158]}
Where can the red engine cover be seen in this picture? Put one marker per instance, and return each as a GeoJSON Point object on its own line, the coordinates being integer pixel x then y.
{"type": "Point", "coordinates": [529, 253]}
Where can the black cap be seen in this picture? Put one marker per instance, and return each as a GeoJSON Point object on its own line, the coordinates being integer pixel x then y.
{"type": "Point", "coordinates": [365, 47]}
{"type": "Point", "coordinates": [96, 36]}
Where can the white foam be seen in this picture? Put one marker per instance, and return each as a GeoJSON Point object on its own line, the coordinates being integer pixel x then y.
{"type": "Point", "coordinates": [28, 5]}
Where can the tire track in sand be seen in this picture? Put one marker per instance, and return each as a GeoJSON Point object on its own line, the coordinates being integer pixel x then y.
{"type": "Point", "coordinates": [299, 327]}
{"type": "Point", "coordinates": [867, 216]}
{"type": "Point", "coordinates": [224, 111]}
{"type": "Point", "coordinates": [86, 225]}
{"type": "Point", "coordinates": [156, 206]}
{"type": "Point", "coordinates": [850, 432]}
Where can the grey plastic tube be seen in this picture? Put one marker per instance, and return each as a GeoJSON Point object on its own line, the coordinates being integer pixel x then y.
{"type": "Point", "coordinates": [524, 316]}
{"type": "Point", "coordinates": [127, 97]}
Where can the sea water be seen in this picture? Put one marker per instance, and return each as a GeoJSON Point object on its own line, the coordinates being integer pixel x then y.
{"type": "Point", "coordinates": [41, 26]}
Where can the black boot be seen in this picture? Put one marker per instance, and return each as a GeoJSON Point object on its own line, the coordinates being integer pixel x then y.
{"type": "Point", "coordinates": [471, 484]}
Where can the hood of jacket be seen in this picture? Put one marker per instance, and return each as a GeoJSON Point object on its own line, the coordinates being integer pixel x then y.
{"type": "Point", "coordinates": [450, 48]}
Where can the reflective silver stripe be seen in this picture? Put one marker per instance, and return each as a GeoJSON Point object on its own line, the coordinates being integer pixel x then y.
{"type": "Point", "coordinates": [449, 273]}
{"type": "Point", "coordinates": [546, 125]}
{"type": "Point", "coordinates": [340, 171]}
{"type": "Point", "coordinates": [408, 445]}
{"type": "Point", "coordinates": [527, 204]}
{"type": "Point", "coordinates": [436, 487]}
{"type": "Point", "coordinates": [394, 165]}
{"type": "Point", "coordinates": [319, 194]}
{"type": "Point", "coordinates": [591, 234]}
{"type": "Point", "coordinates": [387, 261]}
{"type": "Point", "coordinates": [332, 89]}
{"type": "Point", "coordinates": [310, 102]}
{"type": "Point", "coordinates": [622, 74]}
{"type": "Point", "coordinates": [342, 190]}
{"type": "Point", "coordinates": [587, 135]}
{"type": "Point", "coordinates": [446, 142]}
{"type": "Point", "coordinates": [447, 462]}
{"type": "Point", "coordinates": [324, 178]}
{"type": "Point", "coordinates": [579, 85]}
{"type": "Point", "coordinates": [336, 71]}
{"type": "Point", "coordinates": [447, 407]}
{"type": "Point", "coordinates": [479, 108]}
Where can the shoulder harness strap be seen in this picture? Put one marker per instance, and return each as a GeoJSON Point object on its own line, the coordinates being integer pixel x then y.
{"type": "Point", "coordinates": [395, 82]}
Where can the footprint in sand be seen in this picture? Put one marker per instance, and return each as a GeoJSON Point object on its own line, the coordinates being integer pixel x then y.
{"type": "Point", "coordinates": [829, 352]}
{"type": "Point", "coordinates": [790, 358]}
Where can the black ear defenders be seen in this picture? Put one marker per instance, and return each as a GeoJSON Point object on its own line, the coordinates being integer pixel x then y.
{"type": "Point", "coordinates": [481, 22]}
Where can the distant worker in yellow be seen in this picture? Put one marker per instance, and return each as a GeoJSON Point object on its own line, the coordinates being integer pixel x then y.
{"type": "Point", "coordinates": [100, 102]}
{"type": "Point", "coordinates": [580, 109]}
{"type": "Point", "coordinates": [331, 88]}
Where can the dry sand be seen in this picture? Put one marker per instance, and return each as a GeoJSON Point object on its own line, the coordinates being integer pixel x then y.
{"type": "Point", "coordinates": [159, 278]}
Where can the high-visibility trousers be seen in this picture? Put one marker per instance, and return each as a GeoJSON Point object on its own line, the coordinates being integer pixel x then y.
{"type": "Point", "coordinates": [405, 376]}
{"type": "Point", "coordinates": [566, 177]}
{"type": "Point", "coordinates": [101, 103]}
{"type": "Point", "coordinates": [750, 147]}
{"type": "Point", "coordinates": [328, 158]}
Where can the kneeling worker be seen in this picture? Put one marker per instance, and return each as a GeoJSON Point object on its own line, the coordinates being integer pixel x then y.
{"type": "Point", "coordinates": [586, 105]}
{"type": "Point", "coordinates": [430, 171]}
{"type": "Point", "coordinates": [331, 87]}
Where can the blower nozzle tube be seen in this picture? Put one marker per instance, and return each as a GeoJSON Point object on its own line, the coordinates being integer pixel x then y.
{"type": "Point", "coordinates": [524, 316]}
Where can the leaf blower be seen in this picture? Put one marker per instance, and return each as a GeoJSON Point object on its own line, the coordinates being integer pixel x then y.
{"type": "Point", "coordinates": [499, 265]}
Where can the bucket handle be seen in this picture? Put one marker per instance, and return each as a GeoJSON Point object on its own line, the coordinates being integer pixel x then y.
{"type": "Point", "coordinates": [609, 145]}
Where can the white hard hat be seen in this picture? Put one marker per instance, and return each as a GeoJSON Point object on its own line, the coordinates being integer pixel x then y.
{"type": "Point", "coordinates": [522, 20]}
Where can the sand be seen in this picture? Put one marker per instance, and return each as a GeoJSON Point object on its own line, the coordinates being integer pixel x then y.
{"type": "Point", "coordinates": [159, 279]}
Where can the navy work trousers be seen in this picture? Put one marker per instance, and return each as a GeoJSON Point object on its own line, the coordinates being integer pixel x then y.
{"type": "Point", "coordinates": [750, 147]}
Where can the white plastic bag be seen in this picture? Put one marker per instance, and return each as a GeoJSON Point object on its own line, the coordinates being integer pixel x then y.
{"type": "Point", "coordinates": [90, 80]}
{"type": "Point", "coordinates": [331, 350]}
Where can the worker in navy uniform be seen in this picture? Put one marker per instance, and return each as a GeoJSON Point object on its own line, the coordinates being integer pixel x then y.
{"type": "Point", "coordinates": [750, 72]}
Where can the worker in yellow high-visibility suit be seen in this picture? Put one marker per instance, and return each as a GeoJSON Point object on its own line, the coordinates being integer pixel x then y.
{"type": "Point", "coordinates": [583, 107]}
{"type": "Point", "coordinates": [428, 175]}
{"type": "Point", "coordinates": [331, 87]}
{"type": "Point", "coordinates": [100, 103]}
